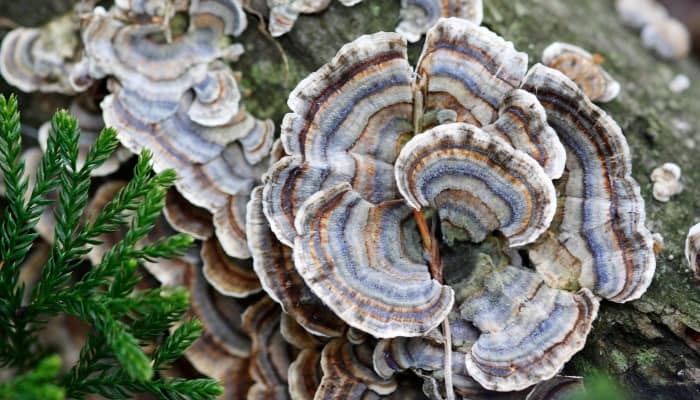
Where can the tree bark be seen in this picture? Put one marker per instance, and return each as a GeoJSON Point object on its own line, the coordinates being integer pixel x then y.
{"type": "Point", "coordinates": [651, 345]}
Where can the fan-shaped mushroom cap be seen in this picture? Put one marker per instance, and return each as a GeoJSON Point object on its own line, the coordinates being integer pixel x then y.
{"type": "Point", "coordinates": [583, 68]}
{"type": "Point", "coordinates": [229, 225]}
{"type": "Point", "coordinates": [214, 171]}
{"type": "Point", "coordinates": [428, 360]}
{"type": "Point", "coordinates": [347, 373]}
{"type": "Point", "coordinates": [297, 335]}
{"type": "Point", "coordinates": [668, 38]}
{"type": "Point", "coordinates": [522, 123]}
{"type": "Point", "coordinates": [560, 387]}
{"type": "Point", "coordinates": [210, 359]}
{"type": "Point", "coordinates": [44, 59]}
{"type": "Point", "coordinates": [365, 87]}
{"type": "Point", "coordinates": [468, 69]}
{"type": "Point", "coordinates": [360, 261]}
{"type": "Point", "coordinates": [418, 16]}
{"type": "Point", "coordinates": [284, 13]}
{"type": "Point", "coordinates": [230, 12]}
{"type": "Point", "coordinates": [270, 353]}
{"type": "Point", "coordinates": [220, 316]}
{"type": "Point", "coordinates": [692, 249]}
{"type": "Point", "coordinates": [333, 132]}
{"type": "Point", "coordinates": [639, 13]}
{"type": "Point", "coordinates": [229, 276]}
{"type": "Point", "coordinates": [208, 171]}
{"type": "Point", "coordinates": [217, 97]}
{"type": "Point", "coordinates": [667, 181]}
{"type": "Point", "coordinates": [305, 375]}
{"type": "Point", "coordinates": [356, 336]}
{"type": "Point", "coordinates": [154, 75]}
{"type": "Point", "coordinates": [602, 222]}
{"type": "Point", "coordinates": [257, 137]}
{"type": "Point", "coordinates": [184, 217]}
{"type": "Point", "coordinates": [180, 101]}
{"type": "Point", "coordinates": [477, 182]}
{"type": "Point", "coordinates": [529, 330]}
{"type": "Point", "coordinates": [272, 261]}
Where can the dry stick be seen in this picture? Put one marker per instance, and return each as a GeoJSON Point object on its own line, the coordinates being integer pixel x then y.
{"type": "Point", "coordinates": [435, 265]}
{"type": "Point", "coordinates": [166, 23]}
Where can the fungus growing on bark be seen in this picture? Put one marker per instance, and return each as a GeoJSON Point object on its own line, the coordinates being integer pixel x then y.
{"type": "Point", "coordinates": [477, 183]}
{"type": "Point", "coordinates": [156, 8]}
{"type": "Point", "coordinates": [284, 13]}
{"type": "Point", "coordinates": [356, 258]}
{"type": "Point", "coordinates": [667, 181]}
{"type": "Point", "coordinates": [668, 38]}
{"type": "Point", "coordinates": [528, 329]}
{"type": "Point", "coordinates": [180, 101]}
{"type": "Point", "coordinates": [692, 249]}
{"type": "Point", "coordinates": [272, 261]}
{"type": "Point", "coordinates": [367, 138]}
{"type": "Point", "coordinates": [184, 217]}
{"type": "Point", "coordinates": [522, 123]}
{"type": "Point", "coordinates": [347, 373]}
{"type": "Point", "coordinates": [427, 359]}
{"type": "Point", "coordinates": [583, 68]}
{"type": "Point", "coordinates": [45, 59]}
{"type": "Point", "coordinates": [639, 13]}
{"type": "Point", "coordinates": [418, 16]}
{"type": "Point", "coordinates": [601, 224]}
{"type": "Point", "coordinates": [271, 355]}
{"type": "Point", "coordinates": [229, 276]}
{"type": "Point", "coordinates": [305, 374]}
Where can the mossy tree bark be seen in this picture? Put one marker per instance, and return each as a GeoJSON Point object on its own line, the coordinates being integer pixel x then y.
{"type": "Point", "coordinates": [651, 345]}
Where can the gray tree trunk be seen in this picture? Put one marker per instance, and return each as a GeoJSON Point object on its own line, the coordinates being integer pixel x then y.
{"type": "Point", "coordinates": [651, 345]}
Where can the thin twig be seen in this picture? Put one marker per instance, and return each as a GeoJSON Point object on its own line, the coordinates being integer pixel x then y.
{"type": "Point", "coordinates": [449, 390]}
{"type": "Point", "coordinates": [435, 264]}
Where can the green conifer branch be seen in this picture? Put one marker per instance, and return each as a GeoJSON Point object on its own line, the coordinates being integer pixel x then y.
{"type": "Point", "coordinates": [125, 320]}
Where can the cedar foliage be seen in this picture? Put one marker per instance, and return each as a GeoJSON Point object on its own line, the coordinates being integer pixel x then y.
{"type": "Point", "coordinates": [124, 320]}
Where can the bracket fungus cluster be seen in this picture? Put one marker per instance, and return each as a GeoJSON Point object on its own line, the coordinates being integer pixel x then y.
{"type": "Point", "coordinates": [380, 167]}
{"type": "Point", "coordinates": [373, 147]}
{"type": "Point", "coordinates": [179, 100]}
{"type": "Point", "coordinates": [45, 59]}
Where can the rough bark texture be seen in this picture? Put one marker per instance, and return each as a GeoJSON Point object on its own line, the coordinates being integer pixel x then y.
{"type": "Point", "coordinates": [652, 345]}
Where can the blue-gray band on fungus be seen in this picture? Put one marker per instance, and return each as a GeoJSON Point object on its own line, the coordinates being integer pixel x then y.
{"type": "Point", "coordinates": [603, 212]}
{"type": "Point", "coordinates": [272, 262]}
{"type": "Point", "coordinates": [477, 182]}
